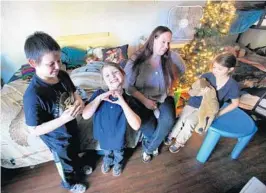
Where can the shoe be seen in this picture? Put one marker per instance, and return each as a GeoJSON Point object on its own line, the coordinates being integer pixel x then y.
{"type": "Point", "coordinates": [87, 170]}
{"type": "Point", "coordinates": [155, 152]}
{"type": "Point", "coordinates": [78, 188]}
{"type": "Point", "coordinates": [199, 131]}
{"type": "Point", "coordinates": [175, 148]}
{"type": "Point", "coordinates": [117, 171]}
{"type": "Point", "coordinates": [146, 158]}
{"type": "Point", "coordinates": [168, 141]}
{"type": "Point", "coordinates": [105, 168]}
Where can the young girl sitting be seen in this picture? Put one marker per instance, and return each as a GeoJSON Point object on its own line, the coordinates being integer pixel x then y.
{"type": "Point", "coordinates": [227, 90]}
{"type": "Point", "coordinates": [111, 114]}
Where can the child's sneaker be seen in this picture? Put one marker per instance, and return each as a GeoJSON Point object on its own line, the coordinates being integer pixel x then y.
{"type": "Point", "coordinates": [146, 158]}
{"type": "Point", "coordinates": [117, 171]}
{"type": "Point", "coordinates": [78, 188]}
{"type": "Point", "coordinates": [168, 141]}
{"type": "Point", "coordinates": [175, 148]}
{"type": "Point", "coordinates": [105, 168]}
{"type": "Point", "coordinates": [87, 170]}
{"type": "Point", "coordinates": [155, 152]}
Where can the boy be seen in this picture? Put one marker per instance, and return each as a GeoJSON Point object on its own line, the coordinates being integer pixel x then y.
{"type": "Point", "coordinates": [51, 106]}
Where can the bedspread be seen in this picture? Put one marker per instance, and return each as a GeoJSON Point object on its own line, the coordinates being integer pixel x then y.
{"type": "Point", "coordinates": [16, 151]}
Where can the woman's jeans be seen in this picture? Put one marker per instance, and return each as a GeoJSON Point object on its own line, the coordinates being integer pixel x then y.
{"type": "Point", "coordinates": [154, 130]}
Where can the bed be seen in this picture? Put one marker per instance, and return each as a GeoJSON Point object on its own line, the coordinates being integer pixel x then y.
{"type": "Point", "coordinates": [18, 150]}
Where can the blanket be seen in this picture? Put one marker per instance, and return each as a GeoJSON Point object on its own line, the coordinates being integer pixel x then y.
{"type": "Point", "coordinates": [16, 151]}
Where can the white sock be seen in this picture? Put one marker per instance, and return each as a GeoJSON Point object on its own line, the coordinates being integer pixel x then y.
{"type": "Point", "coordinates": [156, 113]}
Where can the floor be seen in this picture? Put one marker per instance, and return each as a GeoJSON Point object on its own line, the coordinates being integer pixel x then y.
{"type": "Point", "coordinates": [178, 173]}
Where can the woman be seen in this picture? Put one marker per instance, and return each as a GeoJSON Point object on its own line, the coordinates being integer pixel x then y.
{"type": "Point", "coordinates": [149, 74]}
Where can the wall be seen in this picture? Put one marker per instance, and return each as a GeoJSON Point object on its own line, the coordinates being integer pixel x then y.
{"type": "Point", "coordinates": [129, 20]}
{"type": "Point", "coordinates": [256, 38]}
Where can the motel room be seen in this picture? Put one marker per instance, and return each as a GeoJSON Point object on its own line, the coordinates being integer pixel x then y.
{"type": "Point", "coordinates": [164, 58]}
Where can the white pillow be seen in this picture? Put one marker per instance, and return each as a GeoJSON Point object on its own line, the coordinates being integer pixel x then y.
{"type": "Point", "coordinates": [96, 52]}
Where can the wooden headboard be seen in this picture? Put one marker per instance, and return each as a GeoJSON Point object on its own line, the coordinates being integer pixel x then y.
{"type": "Point", "coordinates": [101, 39]}
{"type": "Point", "coordinates": [83, 41]}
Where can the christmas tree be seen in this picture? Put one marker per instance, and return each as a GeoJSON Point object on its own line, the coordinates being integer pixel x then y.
{"type": "Point", "coordinates": [198, 54]}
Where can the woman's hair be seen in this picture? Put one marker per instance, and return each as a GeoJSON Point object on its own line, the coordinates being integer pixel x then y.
{"type": "Point", "coordinates": [107, 64]}
{"type": "Point", "coordinates": [226, 59]}
{"type": "Point", "coordinates": [147, 51]}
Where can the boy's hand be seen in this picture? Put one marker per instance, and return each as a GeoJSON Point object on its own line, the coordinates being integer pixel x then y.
{"type": "Point", "coordinates": [71, 113]}
{"type": "Point", "coordinates": [31, 131]}
{"type": "Point", "coordinates": [79, 104]}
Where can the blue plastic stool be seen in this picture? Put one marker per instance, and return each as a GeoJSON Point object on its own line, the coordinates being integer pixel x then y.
{"type": "Point", "coordinates": [235, 124]}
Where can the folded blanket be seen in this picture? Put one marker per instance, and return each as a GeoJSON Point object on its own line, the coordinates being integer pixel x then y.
{"type": "Point", "coordinates": [255, 60]}
{"type": "Point", "coordinates": [89, 76]}
{"type": "Point", "coordinates": [94, 66]}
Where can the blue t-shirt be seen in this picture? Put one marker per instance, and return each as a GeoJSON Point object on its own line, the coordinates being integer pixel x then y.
{"type": "Point", "coordinates": [44, 102]}
{"type": "Point", "coordinates": [109, 123]}
{"type": "Point", "coordinates": [228, 92]}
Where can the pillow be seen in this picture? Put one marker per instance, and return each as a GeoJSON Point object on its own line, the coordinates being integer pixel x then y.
{"type": "Point", "coordinates": [17, 75]}
{"type": "Point", "coordinates": [27, 72]}
{"type": "Point", "coordinates": [117, 55]}
{"type": "Point", "coordinates": [90, 58]}
{"type": "Point", "coordinates": [73, 57]}
{"type": "Point", "coordinates": [244, 71]}
{"type": "Point", "coordinates": [96, 52]}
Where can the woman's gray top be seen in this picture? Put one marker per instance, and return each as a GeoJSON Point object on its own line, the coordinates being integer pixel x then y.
{"type": "Point", "coordinates": [149, 80]}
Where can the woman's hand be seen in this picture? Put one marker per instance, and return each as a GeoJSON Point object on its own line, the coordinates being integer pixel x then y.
{"type": "Point", "coordinates": [150, 104]}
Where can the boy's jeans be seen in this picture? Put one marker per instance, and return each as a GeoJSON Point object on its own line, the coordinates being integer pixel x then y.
{"type": "Point", "coordinates": [155, 130]}
{"type": "Point", "coordinates": [68, 165]}
{"type": "Point", "coordinates": [113, 157]}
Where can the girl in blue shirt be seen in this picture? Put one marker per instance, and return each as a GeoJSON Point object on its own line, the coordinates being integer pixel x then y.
{"type": "Point", "coordinates": [227, 90]}
{"type": "Point", "coordinates": [111, 113]}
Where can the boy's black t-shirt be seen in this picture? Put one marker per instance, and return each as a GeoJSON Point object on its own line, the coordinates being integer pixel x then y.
{"type": "Point", "coordinates": [44, 102]}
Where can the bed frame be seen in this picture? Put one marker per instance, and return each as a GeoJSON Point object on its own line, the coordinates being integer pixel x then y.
{"type": "Point", "coordinates": [83, 41]}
